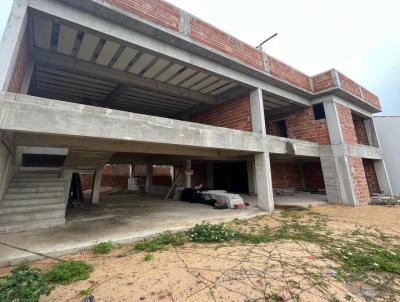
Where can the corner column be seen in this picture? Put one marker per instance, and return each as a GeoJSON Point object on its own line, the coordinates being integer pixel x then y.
{"type": "Point", "coordinates": [188, 174]}
{"type": "Point", "coordinates": [262, 182]}
{"type": "Point", "coordinates": [149, 174]}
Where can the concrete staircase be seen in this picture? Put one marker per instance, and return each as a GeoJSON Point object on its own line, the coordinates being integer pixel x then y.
{"type": "Point", "coordinates": [34, 199]}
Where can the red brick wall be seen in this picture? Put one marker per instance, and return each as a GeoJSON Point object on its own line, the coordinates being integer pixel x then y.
{"type": "Point", "coordinates": [285, 175]}
{"type": "Point", "coordinates": [359, 179]}
{"type": "Point", "coordinates": [361, 133]}
{"type": "Point", "coordinates": [115, 181]}
{"type": "Point", "coordinates": [349, 85]}
{"type": "Point", "coordinates": [157, 11]}
{"type": "Point", "coordinates": [217, 39]}
{"type": "Point", "coordinates": [370, 174]}
{"type": "Point", "coordinates": [346, 124]}
{"type": "Point", "coordinates": [323, 81]}
{"type": "Point", "coordinates": [288, 73]}
{"type": "Point", "coordinates": [302, 125]}
{"type": "Point", "coordinates": [313, 176]}
{"type": "Point", "coordinates": [370, 97]}
{"type": "Point", "coordinates": [234, 114]}
{"type": "Point", "coordinates": [21, 64]}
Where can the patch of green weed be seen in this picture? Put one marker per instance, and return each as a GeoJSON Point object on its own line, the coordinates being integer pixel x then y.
{"type": "Point", "coordinates": [102, 248]}
{"type": "Point", "coordinates": [69, 271]}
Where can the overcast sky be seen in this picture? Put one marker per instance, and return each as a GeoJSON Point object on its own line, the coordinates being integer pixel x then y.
{"type": "Point", "coordinates": [360, 38]}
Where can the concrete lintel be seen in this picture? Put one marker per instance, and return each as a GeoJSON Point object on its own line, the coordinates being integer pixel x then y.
{"type": "Point", "coordinates": [362, 151]}
{"type": "Point", "coordinates": [127, 36]}
{"type": "Point", "coordinates": [279, 145]}
{"type": "Point", "coordinates": [52, 59]}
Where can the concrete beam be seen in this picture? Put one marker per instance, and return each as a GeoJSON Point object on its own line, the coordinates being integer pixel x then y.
{"type": "Point", "coordinates": [36, 115]}
{"type": "Point", "coordinates": [114, 95]}
{"type": "Point", "coordinates": [52, 59]}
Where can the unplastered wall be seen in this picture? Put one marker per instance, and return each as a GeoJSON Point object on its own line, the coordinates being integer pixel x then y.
{"type": "Point", "coordinates": [361, 133]}
{"type": "Point", "coordinates": [346, 124]}
{"type": "Point", "coordinates": [235, 114]}
{"type": "Point", "coordinates": [21, 64]}
{"type": "Point", "coordinates": [285, 175]}
{"type": "Point", "coordinates": [359, 179]}
{"type": "Point", "coordinates": [370, 174]}
{"type": "Point", "coordinates": [301, 124]}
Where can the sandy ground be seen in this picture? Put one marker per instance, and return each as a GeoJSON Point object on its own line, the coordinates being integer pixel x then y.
{"type": "Point", "coordinates": [228, 272]}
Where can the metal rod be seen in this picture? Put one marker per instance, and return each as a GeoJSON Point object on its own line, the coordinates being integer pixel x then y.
{"type": "Point", "coordinates": [266, 40]}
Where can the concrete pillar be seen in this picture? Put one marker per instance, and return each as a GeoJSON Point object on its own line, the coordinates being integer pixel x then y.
{"type": "Point", "coordinates": [7, 166]}
{"type": "Point", "coordinates": [251, 176]}
{"type": "Point", "coordinates": [265, 194]}
{"type": "Point", "coordinates": [338, 179]}
{"type": "Point", "coordinates": [383, 178]}
{"type": "Point", "coordinates": [372, 135]}
{"type": "Point", "coordinates": [11, 41]}
{"type": "Point", "coordinates": [210, 175]}
{"type": "Point", "coordinates": [96, 186]}
{"type": "Point", "coordinates": [257, 111]}
{"type": "Point", "coordinates": [149, 174]}
{"type": "Point", "coordinates": [188, 174]}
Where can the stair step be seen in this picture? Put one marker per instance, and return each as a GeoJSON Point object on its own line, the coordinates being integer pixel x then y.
{"type": "Point", "coordinates": [21, 217]}
{"type": "Point", "coordinates": [21, 190]}
{"type": "Point", "coordinates": [29, 202]}
{"type": "Point", "coordinates": [57, 184]}
{"type": "Point", "coordinates": [20, 196]}
{"type": "Point", "coordinates": [37, 175]}
{"type": "Point", "coordinates": [31, 225]}
{"type": "Point", "coordinates": [36, 180]}
{"type": "Point", "coordinates": [30, 209]}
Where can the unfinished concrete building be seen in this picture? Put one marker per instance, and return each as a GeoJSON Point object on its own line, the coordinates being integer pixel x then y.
{"type": "Point", "coordinates": [141, 82]}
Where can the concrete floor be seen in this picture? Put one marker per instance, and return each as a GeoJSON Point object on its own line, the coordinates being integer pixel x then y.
{"type": "Point", "coordinates": [123, 218]}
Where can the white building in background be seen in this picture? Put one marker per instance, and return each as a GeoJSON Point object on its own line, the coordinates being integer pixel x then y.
{"type": "Point", "coordinates": [388, 128]}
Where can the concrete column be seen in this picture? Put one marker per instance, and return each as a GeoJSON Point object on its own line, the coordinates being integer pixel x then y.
{"type": "Point", "coordinates": [149, 174]}
{"type": "Point", "coordinates": [210, 175]}
{"type": "Point", "coordinates": [251, 176]}
{"type": "Point", "coordinates": [7, 166]}
{"type": "Point", "coordinates": [188, 174]}
{"type": "Point", "coordinates": [96, 186]}
{"type": "Point", "coordinates": [257, 111]}
{"type": "Point", "coordinates": [338, 179]}
{"type": "Point", "coordinates": [265, 194]}
{"type": "Point", "coordinates": [383, 178]}
{"type": "Point", "coordinates": [11, 41]}
{"type": "Point", "coordinates": [371, 132]}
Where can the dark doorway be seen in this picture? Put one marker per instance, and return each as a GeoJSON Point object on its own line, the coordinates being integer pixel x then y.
{"type": "Point", "coordinates": [231, 176]}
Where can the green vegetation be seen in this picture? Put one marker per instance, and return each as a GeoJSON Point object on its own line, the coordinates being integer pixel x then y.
{"type": "Point", "coordinates": [206, 232]}
{"type": "Point", "coordinates": [160, 242]}
{"type": "Point", "coordinates": [148, 257]}
{"type": "Point", "coordinates": [24, 284]}
{"type": "Point", "coordinates": [102, 248]}
{"type": "Point", "coordinates": [69, 271]}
